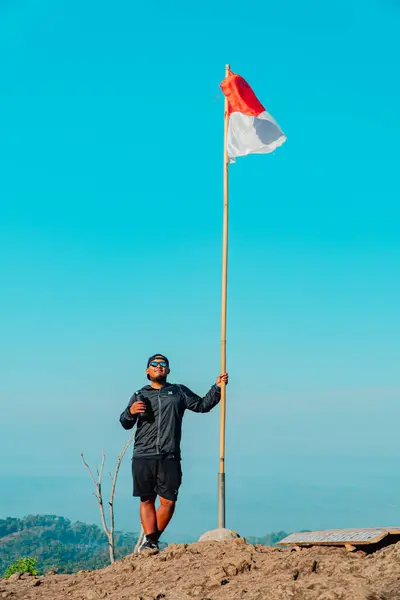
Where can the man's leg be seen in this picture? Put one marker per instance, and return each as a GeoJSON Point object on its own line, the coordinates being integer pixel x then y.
{"type": "Point", "coordinates": [148, 515]}
{"type": "Point", "coordinates": [169, 478]}
{"type": "Point", "coordinates": [164, 514]}
{"type": "Point", "coordinates": [144, 473]}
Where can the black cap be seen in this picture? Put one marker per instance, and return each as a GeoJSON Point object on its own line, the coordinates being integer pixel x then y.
{"type": "Point", "coordinates": [157, 356]}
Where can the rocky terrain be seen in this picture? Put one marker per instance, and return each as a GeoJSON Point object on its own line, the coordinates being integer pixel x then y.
{"type": "Point", "coordinates": [225, 571]}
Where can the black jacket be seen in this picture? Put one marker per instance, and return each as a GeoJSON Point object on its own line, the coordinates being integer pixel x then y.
{"type": "Point", "coordinates": [159, 434]}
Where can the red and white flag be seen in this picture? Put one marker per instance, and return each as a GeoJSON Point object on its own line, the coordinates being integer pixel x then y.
{"type": "Point", "coordinates": [251, 129]}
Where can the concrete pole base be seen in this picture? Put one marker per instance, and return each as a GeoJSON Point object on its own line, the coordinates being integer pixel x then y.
{"type": "Point", "coordinates": [219, 535]}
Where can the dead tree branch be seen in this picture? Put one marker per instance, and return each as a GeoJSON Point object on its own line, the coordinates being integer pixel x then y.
{"type": "Point", "coordinates": [140, 538]}
{"type": "Point", "coordinates": [108, 530]}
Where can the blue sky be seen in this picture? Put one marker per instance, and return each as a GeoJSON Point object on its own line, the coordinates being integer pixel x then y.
{"type": "Point", "coordinates": [110, 237]}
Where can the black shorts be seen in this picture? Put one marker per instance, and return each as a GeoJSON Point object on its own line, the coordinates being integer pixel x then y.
{"type": "Point", "coordinates": [156, 477]}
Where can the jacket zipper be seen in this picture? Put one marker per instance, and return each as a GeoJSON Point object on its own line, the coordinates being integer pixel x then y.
{"type": "Point", "coordinates": [159, 424]}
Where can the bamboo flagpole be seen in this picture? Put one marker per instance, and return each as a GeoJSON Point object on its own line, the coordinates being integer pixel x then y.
{"type": "Point", "coordinates": [221, 474]}
{"type": "Point", "coordinates": [254, 131]}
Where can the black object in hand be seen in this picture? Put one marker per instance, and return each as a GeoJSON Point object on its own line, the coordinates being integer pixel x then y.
{"type": "Point", "coordinates": [148, 414]}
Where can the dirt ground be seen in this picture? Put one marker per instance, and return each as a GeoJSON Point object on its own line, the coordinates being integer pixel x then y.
{"type": "Point", "coordinates": [225, 571]}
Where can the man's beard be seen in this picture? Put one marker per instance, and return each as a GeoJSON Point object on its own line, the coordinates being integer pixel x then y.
{"type": "Point", "coordinates": [159, 379]}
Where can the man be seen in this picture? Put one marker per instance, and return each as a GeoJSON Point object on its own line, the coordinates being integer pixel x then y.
{"type": "Point", "coordinates": [158, 410]}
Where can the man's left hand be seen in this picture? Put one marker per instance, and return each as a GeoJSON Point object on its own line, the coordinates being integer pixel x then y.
{"type": "Point", "coordinates": [222, 379]}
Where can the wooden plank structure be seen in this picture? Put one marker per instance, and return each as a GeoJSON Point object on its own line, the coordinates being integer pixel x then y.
{"type": "Point", "coordinates": [349, 538]}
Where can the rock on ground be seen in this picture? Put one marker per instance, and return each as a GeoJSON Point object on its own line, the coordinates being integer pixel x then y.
{"type": "Point", "coordinates": [232, 570]}
{"type": "Point", "coordinates": [219, 535]}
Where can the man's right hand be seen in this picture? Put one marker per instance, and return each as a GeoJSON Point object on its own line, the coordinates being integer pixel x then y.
{"type": "Point", "coordinates": [137, 408]}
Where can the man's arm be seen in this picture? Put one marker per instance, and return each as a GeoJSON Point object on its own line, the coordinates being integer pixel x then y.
{"type": "Point", "coordinates": [129, 417]}
{"type": "Point", "coordinates": [198, 404]}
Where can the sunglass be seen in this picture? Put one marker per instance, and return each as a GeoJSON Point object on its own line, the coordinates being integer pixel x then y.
{"type": "Point", "coordinates": [155, 363]}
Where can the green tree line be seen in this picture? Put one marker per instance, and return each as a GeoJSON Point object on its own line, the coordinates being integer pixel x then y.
{"type": "Point", "coordinates": [57, 543]}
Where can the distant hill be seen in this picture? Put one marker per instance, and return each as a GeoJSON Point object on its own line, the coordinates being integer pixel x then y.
{"type": "Point", "coordinates": [58, 543]}
{"type": "Point", "coordinates": [269, 539]}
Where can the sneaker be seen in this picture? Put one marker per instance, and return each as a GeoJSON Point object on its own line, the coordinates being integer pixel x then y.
{"type": "Point", "coordinates": [147, 544]}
